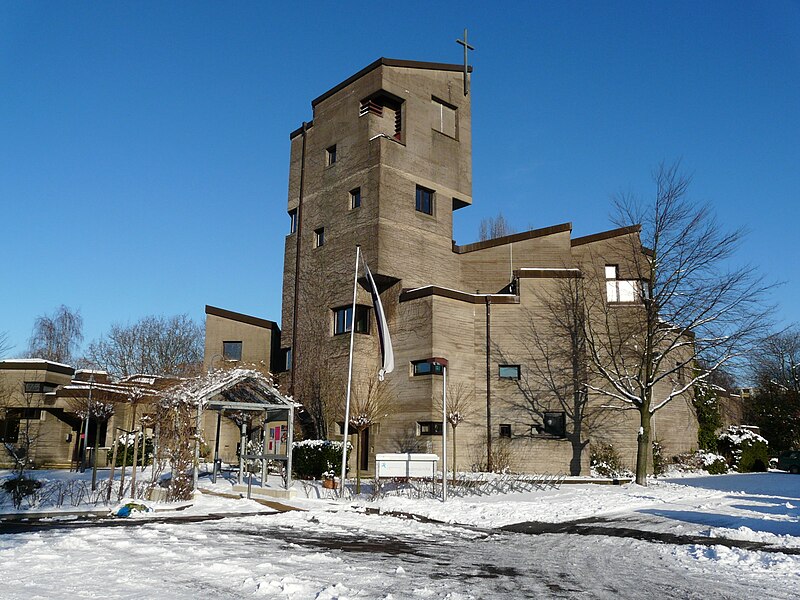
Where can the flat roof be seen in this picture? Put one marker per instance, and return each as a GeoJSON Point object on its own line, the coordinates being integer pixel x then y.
{"type": "Point", "coordinates": [35, 364]}
{"type": "Point", "coordinates": [241, 318]}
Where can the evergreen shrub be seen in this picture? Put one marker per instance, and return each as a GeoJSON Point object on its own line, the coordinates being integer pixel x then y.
{"type": "Point", "coordinates": [745, 450]}
{"type": "Point", "coordinates": [312, 458]}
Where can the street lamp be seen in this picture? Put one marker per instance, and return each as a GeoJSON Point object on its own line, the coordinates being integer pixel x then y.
{"type": "Point", "coordinates": [442, 362]}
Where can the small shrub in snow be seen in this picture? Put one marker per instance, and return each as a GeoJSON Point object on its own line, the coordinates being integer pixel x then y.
{"type": "Point", "coordinates": [312, 458]}
{"type": "Point", "coordinates": [745, 450]}
{"type": "Point", "coordinates": [715, 464]}
{"type": "Point", "coordinates": [606, 461]}
{"type": "Point", "coordinates": [659, 461]}
{"type": "Point", "coordinates": [20, 488]}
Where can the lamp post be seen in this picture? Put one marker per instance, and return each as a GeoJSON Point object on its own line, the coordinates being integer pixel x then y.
{"type": "Point", "coordinates": [86, 426]}
{"type": "Point", "coordinates": [215, 468]}
{"type": "Point", "coordinates": [442, 362]}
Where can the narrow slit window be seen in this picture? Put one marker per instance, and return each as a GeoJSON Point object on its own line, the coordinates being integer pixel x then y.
{"type": "Point", "coordinates": [330, 155]}
{"type": "Point", "coordinates": [355, 198]}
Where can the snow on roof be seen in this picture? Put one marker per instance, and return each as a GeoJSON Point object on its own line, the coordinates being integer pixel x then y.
{"type": "Point", "coordinates": [37, 361]}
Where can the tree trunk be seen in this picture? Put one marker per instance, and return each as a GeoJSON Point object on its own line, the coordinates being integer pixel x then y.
{"type": "Point", "coordinates": [94, 452]}
{"type": "Point", "coordinates": [358, 461]}
{"type": "Point", "coordinates": [454, 454]}
{"type": "Point", "coordinates": [643, 444]}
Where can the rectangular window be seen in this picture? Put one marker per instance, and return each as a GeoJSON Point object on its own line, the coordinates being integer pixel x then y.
{"type": "Point", "coordinates": [232, 350]}
{"type": "Point", "coordinates": [681, 373]}
{"type": "Point", "coordinates": [355, 198]}
{"type": "Point", "coordinates": [429, 427]}
{"type": "Point", "coordinates": [34, 387]}
{"type": "Point", "coordinates": [620, 290]}
{"type": "Point", "coordinates": [505, 430]}
{"type": "Point", "coordinates": [555, 424]}
{"type": "Point", "coordinates": [509, 372]}
{"type": "Point", "coordinates": [293, 220]}
{"type": "Point", "coordinates": [444, 118]}
{"type": "Point", "coordinates": [423, 367]}
{"type": "Point", "coordinates": [287, 359]}
{"type": "Point", "coordinates": [319, 237]}
{"type": "Point", "coordinates": [343, 319]}
{"type": "Point", "coordinates": [330, 155]}
{"type": "Point", "coordinates": [424, 200]}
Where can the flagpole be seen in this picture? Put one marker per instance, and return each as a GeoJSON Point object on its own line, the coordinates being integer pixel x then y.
{"type": "Point", "coordinates": [349, 375]}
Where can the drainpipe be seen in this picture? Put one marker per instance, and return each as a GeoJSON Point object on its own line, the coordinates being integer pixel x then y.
{"type": "Point", "coordinates": [488, 383]}
{"type": "Point", "coordinates": [298, 234]}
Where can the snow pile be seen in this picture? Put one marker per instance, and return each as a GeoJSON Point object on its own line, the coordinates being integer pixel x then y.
{"type": "Point", "coordinates": [736, 558]}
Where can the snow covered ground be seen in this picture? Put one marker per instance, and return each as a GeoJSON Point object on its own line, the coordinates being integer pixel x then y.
{"type": "Point", "coordinates": [337, 550]}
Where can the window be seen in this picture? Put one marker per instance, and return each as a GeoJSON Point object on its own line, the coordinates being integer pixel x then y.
{"type": "Point", "coordinates": [293, 220]}
{"type": "Point", "coordinates": [424, 200]}
{"type": "Point", "coordinates": [343, 319]}
{"type": "Point", "coordinates": [505, 430]}
{"type": "Point", "coordinates": [287, 359]}
{"type": "Point", "coordinates": [620, 290]}
{"type": "Point", "coordinates": [319, 237]}
{"type": "Point", "coordinates": [423, 367]}
{"type": "Point", "coordinates": [34, 387]}
{"type": "Point", "coordinates": [9, 429]}
{"type": "Point", "coordinates": [330, 155]}
{"type": "Point", "coordinates": [429, 428]}
{"type": "Point", "coordinates": [555, 424]}
{"type": "Point", "coordinates": [509, 372]}
{"type": "Point", "coordinates": [681, 373]}
{"type": "Point", "coordinates": [386, 112]}
{"type": "Point", "coordinates": [232, 350]}
{"type": "Point", "coordinates": [444, 118]}
{"type": "Point", "coordinates": [355, 198]}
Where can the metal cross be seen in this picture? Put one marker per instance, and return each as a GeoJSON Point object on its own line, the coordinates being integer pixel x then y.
{"type": "Point", "coordinates": [467, 48]}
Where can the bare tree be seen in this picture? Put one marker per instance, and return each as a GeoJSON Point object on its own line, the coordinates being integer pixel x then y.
{"type": "Point", "coordinates": [20, 437]}
{"type": "Point", "coordinates": [460, 407]}
{"type": "Point", "coordinates": [673, 299]}
{"type": "Point", "coordinates": [155, 345]}
{"type": "Point", "coordinates": [5, 345]}
{"type": "Point", "coordinates": [775, 404]}
{"type": "Point", "coordinates": [551, 346]}
{"type": "Point", "coordinates": [494, 227]}
{"type": "Point", "coordinates": [57, 337]}
{"type": "Point", "coordinates": [370, 402]}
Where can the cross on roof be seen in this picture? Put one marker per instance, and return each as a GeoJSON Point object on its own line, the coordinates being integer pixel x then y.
{"type": "Point", "coordinates": [467, 48]}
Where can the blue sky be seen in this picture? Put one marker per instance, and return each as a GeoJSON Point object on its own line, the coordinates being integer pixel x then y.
{"type": "Point", "coordinates": [144, 146]}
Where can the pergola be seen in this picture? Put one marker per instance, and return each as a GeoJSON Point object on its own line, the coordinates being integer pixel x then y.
{"type": "Point", "coordinates": [246, 391]}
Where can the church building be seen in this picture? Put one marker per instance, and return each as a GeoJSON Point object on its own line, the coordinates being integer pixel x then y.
{"type": "Point", "coordinates": [384, 164]}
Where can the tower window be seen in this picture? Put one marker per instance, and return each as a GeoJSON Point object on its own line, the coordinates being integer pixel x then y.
{"type": "Point", "coordinates": [293, 220]}
{"type": "Point", "coordinates": [355, 198]}
{"type": "Point", "coordinates": [343, 319]}
{"type": "Point", "coordinates": [444, 118]}
{"type": "Point", "coordinates": [424, 200]}
{"type": "Point", "coordinates": [330, 155]}
{"type": "Point", "coordinates": [505, 430]}
{"type": "Point", "coordinates": [319, 237]}
{"type": "Point", "coordinates": [387, 111]}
